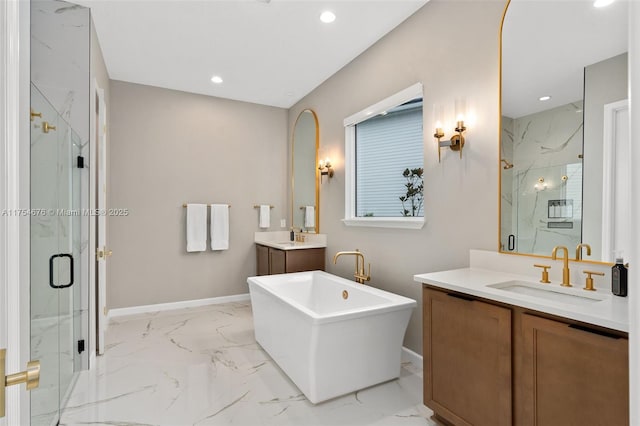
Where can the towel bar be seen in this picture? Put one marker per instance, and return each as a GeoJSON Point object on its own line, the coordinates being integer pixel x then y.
{"type": "Point", "coordinates": [209, 205]}
{"type": "Point", "coordinates": [257, 207]}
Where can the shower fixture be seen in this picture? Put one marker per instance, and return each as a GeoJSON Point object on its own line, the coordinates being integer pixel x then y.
{"type": "Point", "coordinates": [507, 165]}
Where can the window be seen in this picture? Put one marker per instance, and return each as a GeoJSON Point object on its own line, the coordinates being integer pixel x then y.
{"type": "Point", "coordinates": [384, 163]}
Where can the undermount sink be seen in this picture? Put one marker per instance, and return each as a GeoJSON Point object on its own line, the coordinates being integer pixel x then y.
{"type": "Point", "coordinates": [570, 295]}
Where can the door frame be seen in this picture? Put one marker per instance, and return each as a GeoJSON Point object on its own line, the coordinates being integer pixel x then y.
{"type": "Point", "coordinates": [14, 197]}
{"type": "Point", "coordinates": [614, 152]}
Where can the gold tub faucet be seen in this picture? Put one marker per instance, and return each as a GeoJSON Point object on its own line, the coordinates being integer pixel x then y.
{"type": "Point", "coordinates": [565, 269]}
{"type": "Point", "coordinates": [359, 273]}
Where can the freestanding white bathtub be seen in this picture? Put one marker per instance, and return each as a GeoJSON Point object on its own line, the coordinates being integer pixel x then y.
{"type": "Point", "coordinates": [331, 336]}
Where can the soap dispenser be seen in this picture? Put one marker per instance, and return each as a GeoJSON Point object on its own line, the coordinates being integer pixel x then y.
{"type": "Point", "coordinates": [619, 278]}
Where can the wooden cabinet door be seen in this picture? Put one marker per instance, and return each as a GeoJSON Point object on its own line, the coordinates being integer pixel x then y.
{"type": "Point", "coordinates": [305, 260]}
{"type": "Point", "coordinates": [262, 260]}
{"type": "Point", "coordinates": [571, 375]}
{"type": "Point", "coordinates": [277, 261]}
{"type": "Point", "coordinates": [467, 359]}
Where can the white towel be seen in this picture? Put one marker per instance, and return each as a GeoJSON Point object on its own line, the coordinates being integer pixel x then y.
{"type": "Point", "coordinates": [310, 217]}
{"type": "Point", "coordinates": [196, 227]}
{"type": "Point", "coordinates": [265, 216]}
{"type": "Point", "coordinates": [219, 226]}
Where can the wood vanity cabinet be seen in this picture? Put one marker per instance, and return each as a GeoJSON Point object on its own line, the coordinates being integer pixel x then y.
{"type": "Point", "coordinates": [271, 260]}
{"type": "Point", "coordinates": [489, 363]}
{"type": "Point", "coordinates": [572, 375]}
{"type": "Point", "coordinates": [467, 359]}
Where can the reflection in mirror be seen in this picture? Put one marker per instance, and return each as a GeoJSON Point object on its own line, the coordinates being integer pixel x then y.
{"type": "Point", "coordinates": [304, 182]}
{"type": "Point", "coordinates": [564, 65]}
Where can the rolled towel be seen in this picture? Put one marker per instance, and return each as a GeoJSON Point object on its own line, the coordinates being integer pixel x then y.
{"type": "Point", "coordinates": [219, 226]}
{"type": "Point", "coordinates": [265, 216]}
{"type": "Point", "coordinates": [196, 227]}
{"type": "Point", "coordinates": [310, 217]}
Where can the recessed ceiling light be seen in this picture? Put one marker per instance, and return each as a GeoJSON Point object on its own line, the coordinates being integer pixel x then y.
{"type": "Point", "coordinates": [327, 17]}
{"type": "Point", "coordinates": [602, 3]}
{"type": "Point", "coordinates": [544, 98]}
{"type": "Point", "coordinates": [216, 79]}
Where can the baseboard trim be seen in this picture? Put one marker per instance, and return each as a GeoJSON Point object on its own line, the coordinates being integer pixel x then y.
{"type": "Point", "coordinates": [133, 310]}
{"type": "Point", "coordinates": [413, 357]}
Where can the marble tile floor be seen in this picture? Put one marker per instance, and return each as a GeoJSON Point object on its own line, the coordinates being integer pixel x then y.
{"type": "Point", "coordinates": [202, 366]}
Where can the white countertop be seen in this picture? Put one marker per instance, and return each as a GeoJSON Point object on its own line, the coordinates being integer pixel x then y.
{"type": "Point", "coordinates": [281, 240]}
{"type": "Point", "coordinates": [613, 312]}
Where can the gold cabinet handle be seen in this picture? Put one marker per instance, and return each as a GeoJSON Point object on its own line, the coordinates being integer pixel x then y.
{"type": "Point", "coordinates": [31, 377]}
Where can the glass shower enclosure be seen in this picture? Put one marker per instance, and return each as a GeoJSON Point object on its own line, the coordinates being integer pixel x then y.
{"type": "Point", "coordinates": [56, 312]}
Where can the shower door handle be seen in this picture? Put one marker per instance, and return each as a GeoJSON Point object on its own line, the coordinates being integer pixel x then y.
{"type": "Point", "coordinates": [512, 242]}
{"type": "Point", "coordinates": [51, 278]}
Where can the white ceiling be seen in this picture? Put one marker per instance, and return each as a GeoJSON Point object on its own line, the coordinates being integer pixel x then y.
{"type": "Point", "coordinates": [271, 53]}
{"type": "Point", "coordinates": [547, 44]}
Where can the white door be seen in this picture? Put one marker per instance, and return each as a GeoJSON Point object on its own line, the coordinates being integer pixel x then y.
{"type": "Point", "coordinates": [102, 252]}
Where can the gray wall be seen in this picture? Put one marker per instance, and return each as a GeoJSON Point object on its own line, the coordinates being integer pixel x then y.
{"type": "Point", "coordinates": [169, 148]}
{"type": "Point", "coordinates": [604, 82]}
{"type": "Point", "coordinates": [461, 196]}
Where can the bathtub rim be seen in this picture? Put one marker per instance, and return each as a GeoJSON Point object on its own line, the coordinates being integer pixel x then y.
{"type": "Point", "coordinates": [395, 301]}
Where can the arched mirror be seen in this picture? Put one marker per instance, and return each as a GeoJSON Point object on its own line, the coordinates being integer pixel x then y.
{"type": "Point", "coordinates": [563, 108]}
{"type": "Point", "coordinates": [305, 205]}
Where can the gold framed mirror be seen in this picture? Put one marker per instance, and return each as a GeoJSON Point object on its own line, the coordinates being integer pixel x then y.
{"type": "Point", "coordinates": [305, 191]}
{"type": "Point", "coordinates": [563, 68]}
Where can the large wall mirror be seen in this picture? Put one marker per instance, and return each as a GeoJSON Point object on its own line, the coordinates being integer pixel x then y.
{"type": "Point", "coordinates": [563, 110]}
{"type": "Point", "coordinates": [305, 195]}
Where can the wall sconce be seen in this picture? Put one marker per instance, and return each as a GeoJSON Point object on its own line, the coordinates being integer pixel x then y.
{"type": "Point", "coordinates": [456, 143]}
{"type": "Point", "coordinates": [325, 168]}
{"type": "Point", "coordinates": [541, 185]}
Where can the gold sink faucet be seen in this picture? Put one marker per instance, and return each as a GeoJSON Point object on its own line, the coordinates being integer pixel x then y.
{"type": "Point", "coordinates": [359, 274]}
{"type": "Point", "coordinates": [579, 250]}
{"type": "Point", "coordinates": [565, 269]}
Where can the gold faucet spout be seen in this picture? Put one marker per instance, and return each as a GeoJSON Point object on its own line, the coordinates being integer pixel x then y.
{"type": "Point", "coordinates": [579, 250]}
{"type": "Point", "coordinates": [565, 269]}
{"type": "Point", "coordinates": [359, 273]}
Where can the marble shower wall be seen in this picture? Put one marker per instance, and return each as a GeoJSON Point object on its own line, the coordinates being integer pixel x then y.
{"type": "Point", "coordinates": [543, 145]}
{"type": "Point", "coordinates": [60, 75]}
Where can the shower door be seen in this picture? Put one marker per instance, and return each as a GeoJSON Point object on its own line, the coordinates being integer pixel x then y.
{"type": "Point", "coordinates": [55, 257]}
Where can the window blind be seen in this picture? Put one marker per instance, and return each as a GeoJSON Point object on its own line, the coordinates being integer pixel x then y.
{"type": "Point", "coordinates": [385, 146]}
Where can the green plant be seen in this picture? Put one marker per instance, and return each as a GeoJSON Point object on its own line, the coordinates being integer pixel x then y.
{"type": "Point", "coordinates": [414, 195]}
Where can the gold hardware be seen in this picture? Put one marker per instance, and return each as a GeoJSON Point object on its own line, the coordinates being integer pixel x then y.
{"type": "Point", "coordinates": [209, 205]}
{"type": "Point", "coordinates": [588, 285]}
{"type": "Point", "coordinates": [46, 127]}
{"type": "Point", "coordinates": [104, 311]}
{"type": "Point", "coordinates": [456, 142]}
{"type": "Point", "coordinates": [545, 273]}
{"type": "Point", "coordinates": [35, 114]}
{"type": "Point", "coordinates": [359, 274]}
{"type": "Point", "coordinates": [565, 268]}
{"type": "Point", "coordinates": [103, 253]}
{"type": "Point", "coordinates": [579, 250]}
{"type": "Point", "coordinates": [255, 206]}
{"type": "Point", "coordinates": [345, 294]}
{"type": "Point", "coordinates": [30, 376]}
{"type": "Point", "coordinates": [507, 165]}
{"type": "Point", "coordinates": [325, 168]}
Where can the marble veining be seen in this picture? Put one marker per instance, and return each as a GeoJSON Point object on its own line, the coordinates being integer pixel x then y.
{"type": "Point", "coordinates": [203, 366]}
